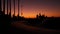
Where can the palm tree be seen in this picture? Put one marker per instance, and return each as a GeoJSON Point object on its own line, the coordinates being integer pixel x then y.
{"type": "Point", "coordinates": [4, 6]}
{"type": "Point", "coordinates": [0, 4]}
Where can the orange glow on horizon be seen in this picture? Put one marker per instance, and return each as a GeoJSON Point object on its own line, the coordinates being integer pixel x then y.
{"type": "Point", "coordinates": [33, 15]}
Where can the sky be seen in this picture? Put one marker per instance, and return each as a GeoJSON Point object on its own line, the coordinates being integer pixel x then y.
{"type": "Point", "coordinates": [30, 8]}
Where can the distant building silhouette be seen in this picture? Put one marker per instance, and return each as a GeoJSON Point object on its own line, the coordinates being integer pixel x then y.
{"type": "Point", "coordinates": [39, 14]}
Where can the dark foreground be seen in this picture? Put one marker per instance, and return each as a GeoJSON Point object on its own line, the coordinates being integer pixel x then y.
{"type": "Point", "coordinates": [32, 29]}
{"type": "Point", "coordinates": [21, 25]}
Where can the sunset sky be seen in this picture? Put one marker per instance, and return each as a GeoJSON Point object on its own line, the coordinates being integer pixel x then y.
{"type": "Point", "coordinates": [30, 8]}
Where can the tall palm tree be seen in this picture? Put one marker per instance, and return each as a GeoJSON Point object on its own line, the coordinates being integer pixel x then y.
{"type": "Point", "coordinates": [14, 7]}
{"type": "Point", "coordinates": [0, 4]}
{"type": "Point", "coordinates": [4, 6]}
{"type": "Point", "coordinates": [7, 7]}
{"type": "Point", "coordinates": [10, 8]}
